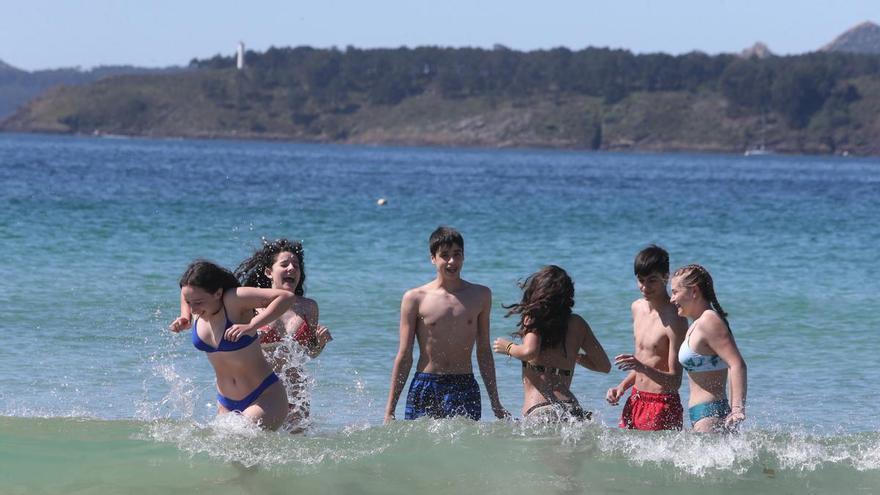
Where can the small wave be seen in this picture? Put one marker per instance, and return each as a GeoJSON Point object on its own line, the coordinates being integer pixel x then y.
{"type": "Point", "coordinates": [869, 460]}
{"type": "Point", "coordinates": [233, 438]}
{"type": "Point", "coordinates": [702, 455]}
{"type": "Point", "coordinates": [451, 456]}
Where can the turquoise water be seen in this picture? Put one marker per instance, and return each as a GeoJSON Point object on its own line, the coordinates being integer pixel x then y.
{"type": "Point", "coordinates": [95, 233]}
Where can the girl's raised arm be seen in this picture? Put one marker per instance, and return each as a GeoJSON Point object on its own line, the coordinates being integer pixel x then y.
{"type": "Point", "coordinates": [242, 301]}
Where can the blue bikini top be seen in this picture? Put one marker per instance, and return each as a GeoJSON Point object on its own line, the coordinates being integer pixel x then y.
{"type": "Point", "coordinates": [225, 345]}
{"type": "Point", "coordinates": [693, 362]}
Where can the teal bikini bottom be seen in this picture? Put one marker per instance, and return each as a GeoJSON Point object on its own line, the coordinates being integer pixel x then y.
{"type": "Point", "coordinates": [714, 409]}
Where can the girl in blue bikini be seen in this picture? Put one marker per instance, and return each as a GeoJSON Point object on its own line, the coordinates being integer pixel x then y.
{"type": "Point", "coordinates": [709, 353]}
{"type": "Point", "coordinates": [225, 328]}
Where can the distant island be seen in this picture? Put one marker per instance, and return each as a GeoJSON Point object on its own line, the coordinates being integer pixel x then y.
{"type": "Point", "coordinates": [596, 98]}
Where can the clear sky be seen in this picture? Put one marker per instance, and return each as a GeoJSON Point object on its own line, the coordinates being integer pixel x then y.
{"type": "Point", "coordinates": [40, 34]}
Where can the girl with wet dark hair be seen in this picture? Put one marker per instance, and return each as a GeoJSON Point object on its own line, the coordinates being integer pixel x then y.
{"type": "Point", "coordinates": [279, 265]}
{"type": "Point", "coordinates": [252, 271]}
{"type": "Point", "coordinates": [225, 328]}
{"type": "Point", "coordinates": [552, 338]}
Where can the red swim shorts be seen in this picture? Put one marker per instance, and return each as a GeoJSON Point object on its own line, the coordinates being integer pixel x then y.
{"type": "Point", "coordinates": [647, 411]}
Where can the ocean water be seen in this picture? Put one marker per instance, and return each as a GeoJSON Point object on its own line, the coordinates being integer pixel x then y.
{"type": "Point", "coordinates": [95, 233]}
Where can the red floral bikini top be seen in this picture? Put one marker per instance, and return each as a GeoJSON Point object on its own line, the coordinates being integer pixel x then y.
{"type": "Point", "coordinates": [304, 335]}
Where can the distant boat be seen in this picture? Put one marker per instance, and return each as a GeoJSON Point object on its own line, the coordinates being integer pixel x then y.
{"type": "Point", "coordinates": [105, 135]}
{"type": "Point", "coordinates": [760, 151]}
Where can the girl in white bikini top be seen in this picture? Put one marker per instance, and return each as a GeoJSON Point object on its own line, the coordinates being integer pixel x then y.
{"type": "Point", "coordinates": [691, 361]}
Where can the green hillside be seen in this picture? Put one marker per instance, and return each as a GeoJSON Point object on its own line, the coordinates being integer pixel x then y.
{"type": "Point", "coordinates": [590, 99]}
{"type": "Point", "coordinates": [18, 86]}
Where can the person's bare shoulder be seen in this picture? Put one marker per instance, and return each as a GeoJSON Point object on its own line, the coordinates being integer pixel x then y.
{"type": "Point", "coordinates": [712, 324]}
{"type": "Point", "coordinates": [482, 290]}
{"type": "Point", "coordinates": [310, 304]}
{"type": "Point", "coordinates": [639, 306]}
{"type": "Point", "coordinates": [478, 292]}
{"type": "Point", "coordinates": [415, 294]}
{"type": "Point", "coordinates": [475, 287]}
{"type": "Point", "coordinates": [577, 323]}
{"type": "Point", "coordinates": [411, 301]}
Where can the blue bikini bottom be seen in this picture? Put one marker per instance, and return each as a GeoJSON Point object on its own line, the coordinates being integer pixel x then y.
{"type": "Point", "coordinates": [241, 405]}
{"type": "Point", "coordinates": [714, 409]}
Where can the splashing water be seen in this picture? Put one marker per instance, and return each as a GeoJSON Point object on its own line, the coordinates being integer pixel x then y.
{"type": "Point", "coordinates": [290, 360]}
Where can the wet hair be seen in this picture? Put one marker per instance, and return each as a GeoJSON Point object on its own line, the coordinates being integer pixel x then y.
{"type": "Point", "coordinates": [208, 276]}
{"type": "Point", "coordinates": [252, 271]}
{"type": "Point", "coordinates": [444, 236]}
{"type": "Point", "coordinates": [652, 259]}
{"type": "Point", "coordinates": [697, 276]}
{"type": "Point", "coordinates": [548, 296]}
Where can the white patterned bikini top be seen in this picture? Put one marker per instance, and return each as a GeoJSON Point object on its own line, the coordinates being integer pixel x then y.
{"type": "Point", "coordinates": [693, 362]}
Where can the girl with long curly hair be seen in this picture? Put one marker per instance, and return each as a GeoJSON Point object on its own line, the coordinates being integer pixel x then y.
{"type": "Point", "coordinates": [552, 338]}
{"type": "Point", "coordinates": [279, 264]}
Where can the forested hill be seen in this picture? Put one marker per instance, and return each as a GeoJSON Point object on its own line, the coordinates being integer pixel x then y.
{"type": "Point", "coordinates": [18, 86]}
{"type": "Point", "coordinates": [594, 98]}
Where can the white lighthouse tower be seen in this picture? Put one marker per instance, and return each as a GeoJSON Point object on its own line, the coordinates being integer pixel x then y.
{"type": "Point", "coordinates": [239, 59]}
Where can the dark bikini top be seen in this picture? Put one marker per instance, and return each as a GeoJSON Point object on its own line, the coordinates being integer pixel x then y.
{"type": "Point", "coordinates": [546, 369]}
{"type": "Point", "coordinates": [225, 345]}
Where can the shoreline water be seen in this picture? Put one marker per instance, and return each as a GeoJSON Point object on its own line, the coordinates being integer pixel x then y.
{"type": "Point", "coordinates": [96, 231]}
{"type": "Point", "coordinates": [94, 456]}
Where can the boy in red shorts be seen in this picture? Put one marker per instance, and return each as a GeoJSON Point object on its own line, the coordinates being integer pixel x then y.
{"type": "Point", "coordinates": [654, 371]}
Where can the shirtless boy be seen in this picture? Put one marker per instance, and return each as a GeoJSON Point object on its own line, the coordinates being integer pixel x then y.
{"type": "Point", "coordinates": [448, 316]}
{"type": "Point", "coordinates": [654, 371]}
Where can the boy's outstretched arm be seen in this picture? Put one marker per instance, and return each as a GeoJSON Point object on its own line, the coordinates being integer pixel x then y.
{"type": "Point", "coordinates": [614, 394]}
{"type": "Point", "coordinates": [409, 313]}
{"type": "Point", "coordinates": [485, 360]}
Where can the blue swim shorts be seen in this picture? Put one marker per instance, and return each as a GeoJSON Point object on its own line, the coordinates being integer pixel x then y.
{"type": "Point", "coordinates": [443, 396]}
